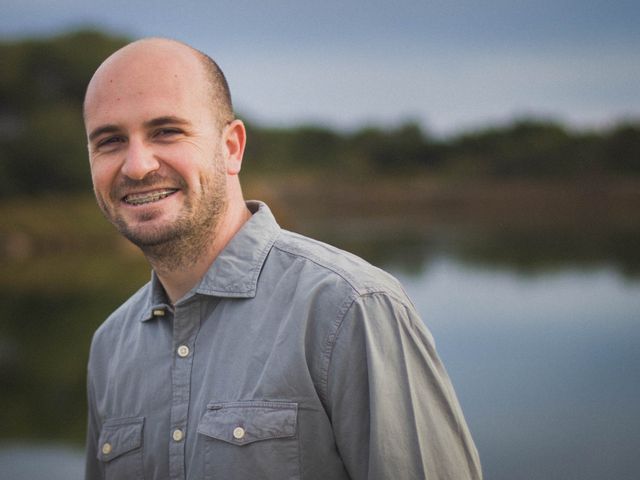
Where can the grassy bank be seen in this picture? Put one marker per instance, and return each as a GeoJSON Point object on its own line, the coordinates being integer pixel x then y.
{"type": "Point", "coordinates": [427, 201]}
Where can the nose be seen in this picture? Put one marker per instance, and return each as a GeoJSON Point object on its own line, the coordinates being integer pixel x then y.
{"type": "Point", "coordinates": [139, 160]}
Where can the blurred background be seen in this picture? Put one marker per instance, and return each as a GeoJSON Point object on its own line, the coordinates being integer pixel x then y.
{"type": "Point", "coordinates": [488, 155]}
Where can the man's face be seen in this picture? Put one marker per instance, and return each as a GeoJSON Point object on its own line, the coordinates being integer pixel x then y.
{"type": "Point", "coordinates": [155, 148]}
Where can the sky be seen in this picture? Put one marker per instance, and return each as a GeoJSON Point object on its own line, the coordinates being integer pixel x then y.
{"type": "Point", "coordinates": [451, 66]}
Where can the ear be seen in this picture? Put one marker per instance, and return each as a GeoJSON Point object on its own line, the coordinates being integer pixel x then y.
{"type": "Point", "coordinates": [234, 138]}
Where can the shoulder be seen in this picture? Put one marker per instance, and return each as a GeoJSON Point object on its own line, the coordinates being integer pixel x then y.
{"type": "Point", "coordinates": [319, 261]}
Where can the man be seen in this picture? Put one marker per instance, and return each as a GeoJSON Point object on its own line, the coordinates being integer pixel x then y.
{"type": "Point", "coordinates": [253, 353]}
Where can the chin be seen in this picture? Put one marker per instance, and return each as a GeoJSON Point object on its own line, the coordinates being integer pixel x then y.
{"type": "Point", "coordinates": [148, 235]}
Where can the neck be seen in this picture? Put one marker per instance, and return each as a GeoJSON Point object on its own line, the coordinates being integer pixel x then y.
{"type": "Point", "coordinates": [180, 273]}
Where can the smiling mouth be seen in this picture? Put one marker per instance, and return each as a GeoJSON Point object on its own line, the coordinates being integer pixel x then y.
{"type": "Point", "coordinates": [148, 197]}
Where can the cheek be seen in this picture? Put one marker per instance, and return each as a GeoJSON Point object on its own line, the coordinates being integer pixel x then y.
{"type": "Point", "coordinates": [189, 161]}
{"type": "Point", "coordinates": [102, 174]}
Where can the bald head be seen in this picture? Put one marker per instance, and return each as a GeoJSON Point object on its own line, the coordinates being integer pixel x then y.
{"type": "Point", "coordinates": [157, 57]}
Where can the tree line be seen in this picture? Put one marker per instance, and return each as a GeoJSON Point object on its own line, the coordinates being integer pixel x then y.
{"type": "Point", "coordinates": [43, 147]}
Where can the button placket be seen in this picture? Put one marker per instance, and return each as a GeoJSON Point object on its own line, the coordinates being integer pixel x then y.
{"type": "Point", "coordinates": [186, 323]}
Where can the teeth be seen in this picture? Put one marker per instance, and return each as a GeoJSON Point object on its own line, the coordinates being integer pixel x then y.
{"type": "Point", "coordinates": [142, 198]}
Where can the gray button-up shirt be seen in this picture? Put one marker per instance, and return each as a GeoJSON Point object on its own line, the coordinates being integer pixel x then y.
{"type": "Point", "coordinates": [291, 359]}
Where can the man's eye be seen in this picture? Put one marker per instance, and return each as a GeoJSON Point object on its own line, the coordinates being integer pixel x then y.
{"type": "Point", "coordinates": [110, 141]}
{"type": "Point", "coordinates": [167, 132]}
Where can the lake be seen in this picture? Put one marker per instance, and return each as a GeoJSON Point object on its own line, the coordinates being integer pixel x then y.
{"type": "Point", "coordinates": [539, 333]}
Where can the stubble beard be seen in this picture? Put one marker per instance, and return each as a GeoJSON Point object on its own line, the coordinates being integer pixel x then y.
{"type": "Point", "coordinates": [180, 244]}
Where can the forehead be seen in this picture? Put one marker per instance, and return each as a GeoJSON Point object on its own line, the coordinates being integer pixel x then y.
{"type": "Point", "coordinates": [144, 83]}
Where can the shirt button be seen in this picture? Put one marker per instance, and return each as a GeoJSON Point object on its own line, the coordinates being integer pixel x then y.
{"type": "Point", "coordinates": [106, 448]}
{"type": "Point", "coordinates": [183, 351]}
{"type": "Point", "coordinates": [177, 435]}
{"type": "Point", "coordinates": [238, 433]}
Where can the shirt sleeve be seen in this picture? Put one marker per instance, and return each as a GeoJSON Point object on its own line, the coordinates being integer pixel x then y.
{"type": "Point", "coordinates": [393, 408]}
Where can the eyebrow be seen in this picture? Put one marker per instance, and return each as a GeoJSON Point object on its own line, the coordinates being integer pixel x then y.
{"type": "Point", "coordinates": [155, 122]}
{"type": "Point", "coordinates": [169, 119]}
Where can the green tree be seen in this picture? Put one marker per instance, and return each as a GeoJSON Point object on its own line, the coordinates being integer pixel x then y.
{"type": "Point", "coordinates": [622, 149]}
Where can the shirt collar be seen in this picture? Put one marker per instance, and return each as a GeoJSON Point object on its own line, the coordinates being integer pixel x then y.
{"type": "Point", "coordinates": [235, 272]}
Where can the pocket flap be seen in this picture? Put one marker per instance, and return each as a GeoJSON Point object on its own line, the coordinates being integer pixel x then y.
{"type": "Point", "coordinates": [119, 436]}
{"type": "Point", "coordinates": [241, 423]}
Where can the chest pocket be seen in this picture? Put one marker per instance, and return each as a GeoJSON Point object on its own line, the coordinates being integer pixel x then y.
{"type": "Point", "coordinates": [251, 439]}
{"type": "Point", "coordinates": [119, 448]}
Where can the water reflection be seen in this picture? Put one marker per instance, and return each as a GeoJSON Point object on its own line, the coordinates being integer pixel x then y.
{"type": "Point", "coordinates": [539, 331]}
